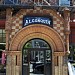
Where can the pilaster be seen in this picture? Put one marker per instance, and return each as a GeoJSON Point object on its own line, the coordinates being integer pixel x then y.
{"type": "Point", "coordinates": [67, 27]}
{"type": "Point", "coordinates": [60, 67]}
{"type": "Point", "coordinates": [8, 26]}
{"type": "Point", "coordinates": [13, 63]}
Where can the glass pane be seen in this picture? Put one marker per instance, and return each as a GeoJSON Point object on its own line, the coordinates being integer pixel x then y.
{"type": "Point", "coordinates": [0, 34]}
{"type": "Point", "coordinates": [36, 43]}
{"type": "Point", "coordinates": [36, 65]}
{"type": "Point", "coordinates": [25, 62]}
{"type": "Point", "coordinates": [48, 56]}
{"type": "Point", "coordinates": [0, 39]}
{"type": "Point", "coordinates": [25, 56]}
{"type": "Point", "coordinates": [48, 63]}
{"type": "Point", "coordinates": [0, 30]}
{"type": "Point", "coordinates": [4, 35]}
{"type": "Point", "coordinates": [2, 46]}
{"type": "Point", "coordinates": [3, 30]}
{"type": "Point", "coordinates": [4, 39]}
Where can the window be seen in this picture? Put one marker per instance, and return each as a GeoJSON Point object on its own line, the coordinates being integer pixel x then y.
{"type": "Point", "coordinates": [2, 39]}
{"type": "Point", "coordinates": [2, 36]}
{"type": "Point", "coordinates": [64, 2]}
{"type": "Point", "coordinates": [2, 49]}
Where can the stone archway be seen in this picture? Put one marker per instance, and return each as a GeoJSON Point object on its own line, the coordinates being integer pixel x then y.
{"type": "Point", "coordinates": [37, 31]}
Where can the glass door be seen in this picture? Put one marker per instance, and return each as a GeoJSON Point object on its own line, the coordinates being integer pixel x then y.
{"type": "Point", "coordinates": [36, 65]}
{"type": "Point", "coordinates": [36, 58]}
{"type": "Point", "coordinates": [37, 62]}
{"type": "Point", "coordinates": [48, 63]}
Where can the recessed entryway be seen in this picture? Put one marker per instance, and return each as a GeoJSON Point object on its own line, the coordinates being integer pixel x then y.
{"type": "Point", "coordinates": [36, 58]}
{"type": "Point", "coordinates": [46, 34]}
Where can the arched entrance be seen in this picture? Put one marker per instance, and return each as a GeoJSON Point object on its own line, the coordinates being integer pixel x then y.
{"type": "Point", "coordinates": [36, 58]}
{"type": "Point", "coordinates": [41, 32]}
{"type": "Point", "coordinates": [37, 31]}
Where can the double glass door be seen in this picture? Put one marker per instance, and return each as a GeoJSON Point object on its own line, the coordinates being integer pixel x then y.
{"type": "Point", "coordinates": [36, 58]}
{"type": "Point", "coordinates": [36, 61]}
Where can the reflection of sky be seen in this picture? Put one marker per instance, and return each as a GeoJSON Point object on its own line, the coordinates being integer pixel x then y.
{"type": "Point", "coordinates": [64, 2]}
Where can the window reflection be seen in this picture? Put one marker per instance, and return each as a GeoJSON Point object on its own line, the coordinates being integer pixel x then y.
{"type": "Point", "coordinates": [2, 36]}
{"type": "Point", "coordinates": [37, 57]}
{"type": "Point", "coordinates": [48, 56]}
{"type": "Point", "coordinates": [25, 56]}
{"type": "Point", "coordinates": [36, 44]}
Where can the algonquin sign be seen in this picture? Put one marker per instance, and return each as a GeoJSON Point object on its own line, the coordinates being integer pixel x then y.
{"type": "Point", "coordinates": [28, 20]}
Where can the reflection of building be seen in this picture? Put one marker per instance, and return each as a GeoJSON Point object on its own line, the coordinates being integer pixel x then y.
{"type": "Point", "coordinates": [27, 20]}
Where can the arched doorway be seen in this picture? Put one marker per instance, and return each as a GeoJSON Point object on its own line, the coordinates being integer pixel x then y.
{"type": "Point", "coordinates": [36, 58]}
{"type": "Point", "coordinates": [37, 31]}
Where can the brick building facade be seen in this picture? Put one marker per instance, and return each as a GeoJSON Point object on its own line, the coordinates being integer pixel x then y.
{"type": "Point", "coordinates": [57, 37]}
{"type": "Point", "coordinates": [17, 35]}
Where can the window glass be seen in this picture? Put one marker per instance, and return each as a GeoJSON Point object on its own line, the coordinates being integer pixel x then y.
{"type": "Point", "coordinates": [4, 39]}
{"type": "Point", "coordinates": [2, 49]}
{"type": "Point", "coordinates": [37, 43]}
{"type": "Point", "coordinates": [2, 36]}
{"type": "Point", "coordinates": [0, 39]}
{"type": "Point", "coordinates": [0, 30]}
{"type": "Point", "coordinates": [3, 31]}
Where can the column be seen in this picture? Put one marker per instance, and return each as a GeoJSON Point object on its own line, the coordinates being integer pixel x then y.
{"type": "Point", "coordinates": [59, 67]}
{"type": "Point", "coordinates": [60, 64]}
{"type": "Point", "coordinates": [8, 65]}
{"type": "Point", "coordinates": [8, 30]}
